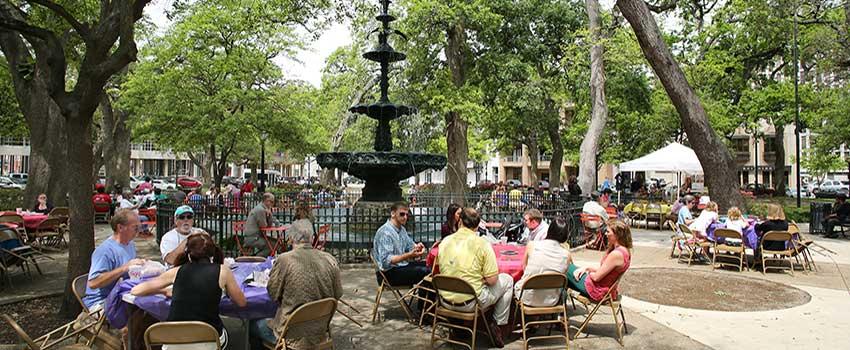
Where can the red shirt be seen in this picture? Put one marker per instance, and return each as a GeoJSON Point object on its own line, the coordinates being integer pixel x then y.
{"type": "Point", "coordinates": [101, 198]}
{"type": "Point", "coordinates": [247, 187]}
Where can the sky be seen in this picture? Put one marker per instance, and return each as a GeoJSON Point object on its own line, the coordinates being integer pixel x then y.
{"type": "Point", "coordinates": [308, 63]}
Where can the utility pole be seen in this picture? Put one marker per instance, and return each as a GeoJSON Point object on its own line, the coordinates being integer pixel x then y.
{"type": "Point", "coordinates": [797, 102]}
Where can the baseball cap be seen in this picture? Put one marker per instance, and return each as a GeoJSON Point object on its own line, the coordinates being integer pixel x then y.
{"type": "Point", "coordinates": [183, 209]}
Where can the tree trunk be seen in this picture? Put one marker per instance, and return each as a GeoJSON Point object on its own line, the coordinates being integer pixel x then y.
{"type": "Point", "coordinates": [554, 133]}
{"type": "Point", "coordinates": [81, 237]}
{"type": "Point", "coordinates": [456, 127]}
{"type": "Point", "coordinates": [599, 115]}
{"type": "Point", "coordinates": [534, 157]}
{"type": "Point", "coordinates": [719, 166]}
{"type": "Point", "coordinates": [779, 164]}
{"type": "Point", "coordinates": [116, 145]}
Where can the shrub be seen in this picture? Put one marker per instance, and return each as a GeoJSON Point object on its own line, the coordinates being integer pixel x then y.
{"type": "Point", "coordinates": [11, 198]}
{"type": "Point", "coordinates": [792, 213]}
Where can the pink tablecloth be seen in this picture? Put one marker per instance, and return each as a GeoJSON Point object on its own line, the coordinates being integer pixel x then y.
{"type": "Point", "coordinates": [509, 263]}
{"type": "Point", "coordinates": [31, 221]}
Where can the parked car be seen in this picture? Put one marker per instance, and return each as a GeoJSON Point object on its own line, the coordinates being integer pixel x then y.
{"type": "Point", "coordinates": [164, 184]}
{"type": "Point", "coordinates": [351, 180]}
{"type": "Point", "coordinates": [831, 188]}
{"type": "Point", "coordinates": [7, 183]}
{"type": "Point", "coordinates": [792, 192]}
{"type": "Point", "coordinates": [513, 183]}
{"type": "Point", "coordinates": [188, 183]}
{"type": "Point", "coordinates": [759, 190]}
{"type": "Point", "coordinates": [19, 176]}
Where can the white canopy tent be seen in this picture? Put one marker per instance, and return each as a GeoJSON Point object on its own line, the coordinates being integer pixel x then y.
{"type": "Point", "coordinates": [673, 158]}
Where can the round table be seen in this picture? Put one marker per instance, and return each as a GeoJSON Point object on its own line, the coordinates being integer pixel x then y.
{"type": "Point", "coordinates": [508, 258]}
{"type": "Point", "coordinates": [31, 220]}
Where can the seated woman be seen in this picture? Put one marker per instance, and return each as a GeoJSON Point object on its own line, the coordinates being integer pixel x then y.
{"type": "Point", "coordinates": [708, 216]}
{"type": "Point", "coordinates": [198, 281]}
{"type": "Point", "coordinates": [42, 206]}
{"type": "Point", "coordinates": [775, 222]}
{"type": "Point", "coordinates": [452, 221]}
{"type": "Point", "coordinates": [594, 282]}
{"type": "Point", "coordinates": [548, 255]}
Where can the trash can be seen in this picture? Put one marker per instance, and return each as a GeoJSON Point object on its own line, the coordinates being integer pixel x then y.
{"type": "Point", "coordinates": [818, 212]}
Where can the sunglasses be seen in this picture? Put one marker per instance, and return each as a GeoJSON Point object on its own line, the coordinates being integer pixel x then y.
{"type": "Point", "coordinates": [186, 217]}
{"type": "Point", "coordinates": [403, 214]}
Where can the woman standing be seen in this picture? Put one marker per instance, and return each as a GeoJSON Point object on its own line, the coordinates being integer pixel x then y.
{"type": "Point", "coordinates": [198, 282]}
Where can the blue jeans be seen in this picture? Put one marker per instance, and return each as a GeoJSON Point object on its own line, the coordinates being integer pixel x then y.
{"type": "Point", "coordinates": [260, 332]}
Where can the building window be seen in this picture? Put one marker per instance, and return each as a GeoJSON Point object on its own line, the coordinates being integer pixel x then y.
{"type": "Point", "coordinates": [741, 145]}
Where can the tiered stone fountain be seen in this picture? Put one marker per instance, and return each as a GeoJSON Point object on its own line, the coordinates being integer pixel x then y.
{"type": "Point", "coordinates": [383, 169]}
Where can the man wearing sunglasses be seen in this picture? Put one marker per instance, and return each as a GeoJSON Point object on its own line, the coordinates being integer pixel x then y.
{"type": "Point", "coordinates": [396, 253]}
{"type": "Point", "coordinates": [174, 241]}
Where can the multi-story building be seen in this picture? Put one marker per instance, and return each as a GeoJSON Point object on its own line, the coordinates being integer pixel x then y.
{"type": "Point", "coordinates": [517, 166]}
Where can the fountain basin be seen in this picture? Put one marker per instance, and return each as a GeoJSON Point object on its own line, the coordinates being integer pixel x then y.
{"type": "Point", "coordinates": [381, 170]}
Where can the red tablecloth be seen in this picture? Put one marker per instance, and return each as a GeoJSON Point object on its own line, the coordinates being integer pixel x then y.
{"type": "Point", "coordinates": [510, 263]}
{"type": "Point", "coordinates": [31, 221]}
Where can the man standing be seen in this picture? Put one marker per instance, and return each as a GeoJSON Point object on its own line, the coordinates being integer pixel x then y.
{"type": "Point", "coordinates": [112, 258]}
{"type": "Point", "coordinates": [472, 259]}
{"type": "Point", "coordinates": [395, 252]}
{"type": "Point", "coordinates": [299, 276]}
{"type": "Point", "coordinates": [535, 227]}
{"type": "Point", "coordinates": [260, 217]}
{"type": "Point", "coordinates": [174, 241]}
{"type": "Point", "coordinates": [840, 214]}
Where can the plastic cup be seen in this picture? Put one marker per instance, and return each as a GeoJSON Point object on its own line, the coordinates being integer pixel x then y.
{"type": "Point", "coordinates": [18, 210]}
{"type": "Point", "coordinates": [136, 272]}
{"type": "Point", "coordinates": [503, 239]}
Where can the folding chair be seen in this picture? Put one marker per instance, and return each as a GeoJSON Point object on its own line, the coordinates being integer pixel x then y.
{"type": "Point", "coordinates": [413, 293]}
{"type": "Point", "coordinates": [103, 340]}
{"type": "Point", "coordinates": [778, 255]}
{"type": "Point", "coordinates": [653, 213]}
{"type": "Point", "coordinates": [597, 233]}
{"type": "Point", "coordinates": [101, 211]}
{"type": "Point", "coordinates": [309, 312]}
{"type": "Point", "coordinates": [239, 238]}
{"type": "Point", "coordinates": [637, 211]}
{"type": "Point", "coordinates": [801, 243]}
{"type": "Point", "coordinates": [694, 246]}
{"type": "Point", "coordinates": [180, 333]}
{"type": "Point", "coordinates": [14, 253]}
{"type": "Point", "coordinates": [60, 212]}
{"type": "Point", "coordinates": [321, 237]}
{"type": "Point", "coordinates": [677, 239]}
{"type": "Point", "coordinates": [607, 299]}
{"type": "Point", "coordinates": [57, 336]}
{"type": "Point", "coordinates": [50, 233]}
{"type": "Point", "coordinates": [445, 314]}
{"type": "Point", "coordinates": [395, 290]}
{"type": "Point", "coordinates": [727, 249]}
{"type": "Point", "coordinates": [542, 282]}
{"type": "Point", "coordinates": [15, 222]}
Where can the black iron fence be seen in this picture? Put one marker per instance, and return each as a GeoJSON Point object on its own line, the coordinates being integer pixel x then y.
{"type": "Point", "coordinates": [352, 229]}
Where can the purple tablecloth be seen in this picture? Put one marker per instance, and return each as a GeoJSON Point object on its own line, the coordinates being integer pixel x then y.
{"type": "Point", "coordinates": [751, 240]}
{"type": "Point", "coordinates": [259, 305]}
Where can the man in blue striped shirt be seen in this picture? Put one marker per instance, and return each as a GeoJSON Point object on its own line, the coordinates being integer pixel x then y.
{"type": "Point", "coordinates": [396, 253]}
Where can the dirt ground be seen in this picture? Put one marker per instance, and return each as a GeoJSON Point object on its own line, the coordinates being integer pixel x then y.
{"type": "Point", "coordinates": [705, 290]}
{"type": "Point", "coordinates": [35, 316]}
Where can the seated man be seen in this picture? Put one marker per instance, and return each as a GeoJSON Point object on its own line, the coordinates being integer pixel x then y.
{"type": "Point", "coordinates": [395, 252]}
{"type": "Point", "coordinates": [259, 218]}
{"type": "Point", "coordinates": [101, 200]}
{"type": "Point", "coordinates": [471, 258]}
{"type": "Point", "coordinates": [535, 227]}
{"type": "Point", "coordinates": [840, 214]}
{"type": "Point", "coordinates": [298, 276]}
{"type": "Point", "coordinates": [595, 206]}
{"type": "Point", "coordinates": [173, 242]}
{"type": "Point", "coordinates": [112, 258]}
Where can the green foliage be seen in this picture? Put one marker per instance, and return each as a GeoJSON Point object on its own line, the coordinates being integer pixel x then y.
{"type": "Point", "coordinates": [11, 118]}
{"type": "Point", "coordinates": [819, 164]}
{"type": "Point", "coordinates": [10, 199]}
{"type": "Point", "coordinates": [792, 213]}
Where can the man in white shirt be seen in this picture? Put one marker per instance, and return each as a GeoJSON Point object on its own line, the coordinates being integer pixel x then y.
{"type": "Point", "coordinates": [174, 241]}
{"type": "Point", "coordinates": [596, 207]}
{"type": "Point", "coordinates": [535, 227]}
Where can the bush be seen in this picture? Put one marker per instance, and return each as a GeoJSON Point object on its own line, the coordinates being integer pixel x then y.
{"type": "Point", "coordinates": [792, 213]}
{"type": "Point", "coordinates": [11, 198]}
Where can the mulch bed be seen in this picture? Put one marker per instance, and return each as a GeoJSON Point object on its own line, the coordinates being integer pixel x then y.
{"type": "Point", "coordinates": [710, 290]}
{"type": "Point", "coordinates": [35, 316]}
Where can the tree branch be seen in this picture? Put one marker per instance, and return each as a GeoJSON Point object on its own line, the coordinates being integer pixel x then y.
{"type": "Point", "coordinates": [665, 5]}
{"type": "Point", "coordinates": [82, 29]}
